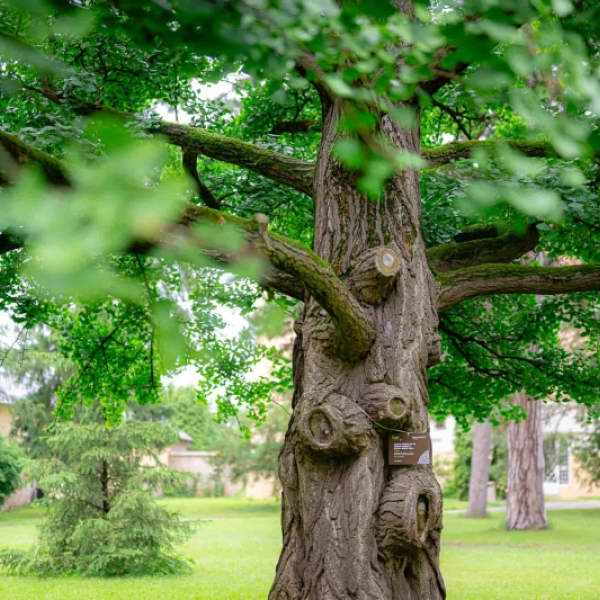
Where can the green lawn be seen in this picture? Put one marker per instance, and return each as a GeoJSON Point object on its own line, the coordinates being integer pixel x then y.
{"type": "Point", "coordinates": [236, 549]}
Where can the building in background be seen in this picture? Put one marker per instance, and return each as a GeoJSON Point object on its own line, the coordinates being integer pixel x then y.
{"type": "Point", "coordinates": [564, 425]}
{"type": "Point", "coordinates": [5, 417]}
{"type": "Point", "coordinates": [204, 477]}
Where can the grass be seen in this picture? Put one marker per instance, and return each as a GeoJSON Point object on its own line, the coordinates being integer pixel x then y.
{"type": "Point", "coordinates": [453, 504]}
{"type": "Point", "coordinates": [236, 549]}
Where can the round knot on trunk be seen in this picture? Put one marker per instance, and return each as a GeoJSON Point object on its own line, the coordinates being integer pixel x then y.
{"type": "Point", "coordinates": [410, 510]}
{"type": "Point", "coordinates": [333, 426]}
{"type": "Point", "coordinates": [386, 404]}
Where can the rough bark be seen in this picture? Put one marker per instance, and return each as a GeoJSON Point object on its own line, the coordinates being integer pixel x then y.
{"type": "Point", "coordinates": [354, 527]}
{"type": "Point", "coordinates": [525, 505]}
{"type": "Point", "coordinates": [480, 470]}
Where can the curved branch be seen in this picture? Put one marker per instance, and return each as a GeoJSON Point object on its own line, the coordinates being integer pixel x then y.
{"type": "Point", "coordinates": [355, 331]}
{"type": "Point", "coordinates": [490, 249]}
{"type": "Point", "coordinates": [283, 254]}
{"type": "Point", "coordinates": [190, 165]}
{"type": "Point", "coordinates": [490, 280]}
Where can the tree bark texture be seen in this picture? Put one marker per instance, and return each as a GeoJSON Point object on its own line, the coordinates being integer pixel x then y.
{"type": "Point", "coordinates": [353, 526]}
{"type": "Point", "coordinates": [480, 470]}
{"type": "Point", "coordinates": [525, 505]}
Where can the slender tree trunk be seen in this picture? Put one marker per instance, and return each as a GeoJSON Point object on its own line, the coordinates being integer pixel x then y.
{"type": "Point", "coordinates": [480, 470]}
{"type": "Point", "coordinates": [104, 488]}
{"type": "Point", "coordinates": [355, 528]}
{"type": "Point", "coordinates": [525, 505]}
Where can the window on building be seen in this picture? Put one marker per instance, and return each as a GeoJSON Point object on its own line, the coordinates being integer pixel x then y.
{"type": "Point", "coordinates": [556, 457]}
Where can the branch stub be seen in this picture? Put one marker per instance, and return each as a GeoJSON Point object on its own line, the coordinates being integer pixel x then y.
{"type": "Point", "coordinates": [374, 274]}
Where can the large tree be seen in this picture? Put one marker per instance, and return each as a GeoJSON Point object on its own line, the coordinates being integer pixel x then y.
{"type": "Point", "coordinates": [333, 139]}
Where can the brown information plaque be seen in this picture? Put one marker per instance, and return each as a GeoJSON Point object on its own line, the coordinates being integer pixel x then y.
{"type": "Point", "coordinates": [409, 449]}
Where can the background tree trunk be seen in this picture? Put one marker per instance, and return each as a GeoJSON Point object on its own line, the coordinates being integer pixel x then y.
{"type": "Point", "coordinates": [525, 505]}
{"type": "Point", "coordinates": [480, 470]}
{"type": "Point", "coordinates": [355, 528]}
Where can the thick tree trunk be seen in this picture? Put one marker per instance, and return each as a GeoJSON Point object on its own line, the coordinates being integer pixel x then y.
{"type": "Point", "coordinates": [525, 506]}
{"type": "Point", "coordinates": [353, 526]}
{"type": "Point", "coordinates": [480, 470]}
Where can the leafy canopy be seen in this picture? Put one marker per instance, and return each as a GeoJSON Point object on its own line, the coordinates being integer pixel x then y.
{"type": "Point", "coordinates": [84, 81]}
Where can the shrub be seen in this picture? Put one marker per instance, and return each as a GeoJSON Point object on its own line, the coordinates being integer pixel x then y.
{"type": "Point", "coordinates": [102, 516]}
{"type": "Point", "coordinates": [10, 470]}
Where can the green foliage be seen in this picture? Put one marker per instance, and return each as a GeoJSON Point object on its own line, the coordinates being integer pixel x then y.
{"type": "Point", "coordinates": [102, 518]}
{"type": "Point", "coordinates": [124, 322]}
{"type": "Point", "coordinates": [457, 485]}
{"type": "Point", "coordinates": [39, 367]}
{"type": "Point", "coordinates": [244, 459]}
{"type": "Point", "coordinates": [179, 405]}
{"type": "Point", "coordinates": [10, 469]}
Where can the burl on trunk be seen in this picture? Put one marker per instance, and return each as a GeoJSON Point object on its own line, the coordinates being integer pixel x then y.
{"type": "Point", "coordinates": [353, 526]}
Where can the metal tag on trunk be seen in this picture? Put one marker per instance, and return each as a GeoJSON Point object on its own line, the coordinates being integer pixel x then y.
{"type": "Point", "coordinates": [409, 448]}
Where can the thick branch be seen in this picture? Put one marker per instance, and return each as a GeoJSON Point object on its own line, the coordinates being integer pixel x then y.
{"type": "Point", "coordinates": [14, 153]}
{"type": "Point", "coordinates": [281, 168]}
{"type": "Point", "coordinates": [298, 174]}
{"type": "Point", "coordinates": [355, 331]}
{"type": "Point", "coordinates": [442, 155]}
{"type": "Point", "coordinates": [489, 280]}
{"type": "Point", "coordinates": [278, 167]}
{"type": "Point", "coordinates": [284, 255]}
{"type": "Point", "coordinates": [302, 126]}
{"type": "Point", "coordinates": [490, 249]}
